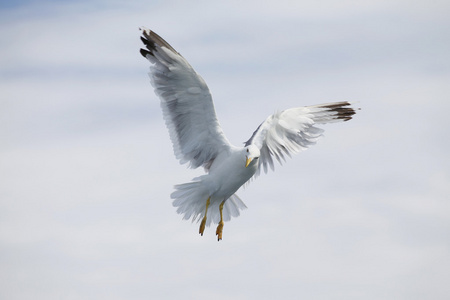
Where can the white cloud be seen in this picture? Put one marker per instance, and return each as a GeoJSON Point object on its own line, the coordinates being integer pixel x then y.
{"type": "Point", "coordinates": [87, 166]}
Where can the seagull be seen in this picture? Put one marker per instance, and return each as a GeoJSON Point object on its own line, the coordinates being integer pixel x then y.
{"type": "Point", "coordinates": [198, 139]}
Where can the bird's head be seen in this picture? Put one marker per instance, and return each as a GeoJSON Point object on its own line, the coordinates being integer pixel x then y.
{"type": "Point", "coordinates": [251, 154]}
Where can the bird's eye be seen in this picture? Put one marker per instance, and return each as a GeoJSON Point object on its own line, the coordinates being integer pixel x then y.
{"type": "Point", "coordinates": [247, 150]}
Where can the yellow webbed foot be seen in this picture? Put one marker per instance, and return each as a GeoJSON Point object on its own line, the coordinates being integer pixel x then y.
{"type": "Point", "coordinates": [202, 226]}
{"type": "Point", "coordinates": [219, 231]}
{"type": "Point", "coordinates": [203, 223]}
{"type": "Point", "coordinates": [220, 226]}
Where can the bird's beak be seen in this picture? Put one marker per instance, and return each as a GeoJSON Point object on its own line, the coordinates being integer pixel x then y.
{"type": "Point", "coordinates": [249, 160]}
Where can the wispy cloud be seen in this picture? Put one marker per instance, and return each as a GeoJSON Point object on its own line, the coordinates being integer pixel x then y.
{"type": "Point", "coordinates": [87, 165]}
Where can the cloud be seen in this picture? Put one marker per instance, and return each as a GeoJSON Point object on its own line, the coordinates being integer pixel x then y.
{"type": "Point", "coordinates": [87, 165]}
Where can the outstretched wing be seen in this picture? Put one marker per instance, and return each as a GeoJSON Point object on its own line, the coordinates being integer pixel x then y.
{"type": "Point", "coordinates": [186, 103]}
{"type": "Point", "coordinates": [293, 130]}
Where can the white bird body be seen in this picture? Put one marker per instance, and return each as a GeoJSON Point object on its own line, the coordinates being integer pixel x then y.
{"type": "Point", "coordinates": [229, 174]}
{"type": "Point", "coordinates": [226, 175]}
{"type": "Point", "coordinates": [198, 139]}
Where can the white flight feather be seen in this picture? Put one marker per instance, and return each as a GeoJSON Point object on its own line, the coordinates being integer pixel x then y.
{"type": "Point", "coordinates": [291, 131]}
{"type": "Point", "coordinates": [187, 108]}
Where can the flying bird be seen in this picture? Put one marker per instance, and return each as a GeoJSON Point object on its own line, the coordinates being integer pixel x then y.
{"type": "Point", "coordinates": [198, 139]}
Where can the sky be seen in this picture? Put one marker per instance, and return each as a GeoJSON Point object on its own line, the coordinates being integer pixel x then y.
{"type": "Point", "coordinates": [87, 167]}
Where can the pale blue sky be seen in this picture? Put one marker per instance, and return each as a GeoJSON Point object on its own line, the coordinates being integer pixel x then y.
{"type": "Point", "coordinates": [86, 164]}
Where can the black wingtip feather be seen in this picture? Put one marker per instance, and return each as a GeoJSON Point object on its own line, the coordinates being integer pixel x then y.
{"type": "Point", "coordinates": [152, 40]}
{"type": "Point", "coordinates": [343, 113]}
{"type": "Point", "coordinates": [144, 52]}
{"type": "Point", "coordinates": [150, 45]}
{"type": "Point", "coordinates": [144, 40]}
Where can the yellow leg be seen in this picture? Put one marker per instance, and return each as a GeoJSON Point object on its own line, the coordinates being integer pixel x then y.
{"type": "Point", "coordinates": [220, 226]}
{"type": "Point", "coordinates": [202, 225]}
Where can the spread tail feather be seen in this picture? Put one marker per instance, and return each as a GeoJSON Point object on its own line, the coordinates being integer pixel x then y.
{"type": "Point", "coordinates": [190, 200]}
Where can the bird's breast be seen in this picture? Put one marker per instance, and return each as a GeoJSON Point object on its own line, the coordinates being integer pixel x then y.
{"type": "Point", "coordinates": [230, 175]}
